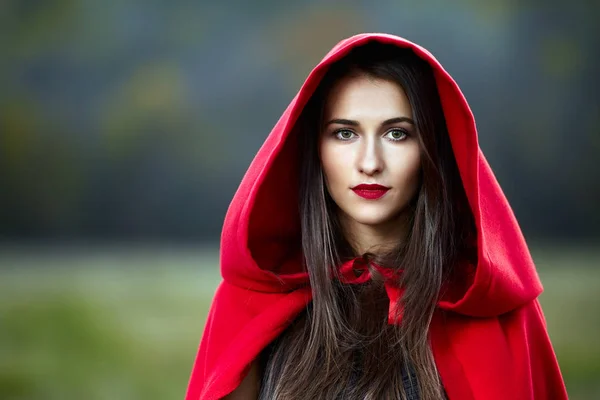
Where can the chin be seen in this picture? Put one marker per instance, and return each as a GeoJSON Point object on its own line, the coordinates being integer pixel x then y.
{"type": "Point", "coordinates": [373, 217]}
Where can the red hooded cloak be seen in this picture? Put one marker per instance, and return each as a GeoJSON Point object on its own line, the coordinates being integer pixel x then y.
{"type": "Point", "coordinates": [489, 341]}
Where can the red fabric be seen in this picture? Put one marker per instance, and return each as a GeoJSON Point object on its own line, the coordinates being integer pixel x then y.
{"type": "Point", "coordinates": [391, 276]}
{"type": "Point", "coordinates": [488, 333]}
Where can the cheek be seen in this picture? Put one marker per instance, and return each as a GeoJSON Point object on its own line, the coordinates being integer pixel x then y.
{"type": "Point", "coordinates": [407, 168]}
{"type": "Point", "coordinates": [335, 166]}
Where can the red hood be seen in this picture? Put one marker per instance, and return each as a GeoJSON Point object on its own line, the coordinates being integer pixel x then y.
{"type": "Point", "coordinates": [260, 243]}
{"type": "Point", "coordinates": [507, 355]}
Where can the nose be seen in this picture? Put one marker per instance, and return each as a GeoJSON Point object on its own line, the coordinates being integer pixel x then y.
{"type": "Point", "coordinates": [370, 161]}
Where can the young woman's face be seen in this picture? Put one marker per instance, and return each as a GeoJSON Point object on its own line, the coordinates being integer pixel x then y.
{"type": "Point", "coordinates": [368, 137]}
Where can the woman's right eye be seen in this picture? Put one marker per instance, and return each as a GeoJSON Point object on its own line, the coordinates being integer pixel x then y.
{"type": "Point", "coordinates": [344, 134]}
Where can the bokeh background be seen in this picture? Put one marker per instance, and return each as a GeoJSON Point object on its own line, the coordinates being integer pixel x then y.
{"type": "Point", "coordinates": [126, 126]}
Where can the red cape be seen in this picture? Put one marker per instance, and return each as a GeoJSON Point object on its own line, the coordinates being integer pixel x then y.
{"type": "Point", "coordinates": [489, 337]}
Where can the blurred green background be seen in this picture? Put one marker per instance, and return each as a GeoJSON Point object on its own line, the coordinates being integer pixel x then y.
{"type": "Point", "coordinates": [87, 324]}
{"type": "Point", "coordinates": [126, 126]}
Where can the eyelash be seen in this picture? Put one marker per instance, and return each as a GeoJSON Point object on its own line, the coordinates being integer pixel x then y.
{"type": "Point", "coordinates": [404, 132]}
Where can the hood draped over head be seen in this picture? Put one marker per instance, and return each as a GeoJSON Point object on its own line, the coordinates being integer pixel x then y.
{"type": "Point", "coordinates": [265, 285]}
{"type": "Point", "coordinates": [261, 246]}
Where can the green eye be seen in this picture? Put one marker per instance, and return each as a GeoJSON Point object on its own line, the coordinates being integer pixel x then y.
{"type": "Point", "coordinates": [397, 134]}
{"type": "Point", "coordinates": [344, 134]}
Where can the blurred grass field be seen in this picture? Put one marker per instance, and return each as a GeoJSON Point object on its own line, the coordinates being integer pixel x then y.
{"type": "Point", "coordinates": [125, 323]}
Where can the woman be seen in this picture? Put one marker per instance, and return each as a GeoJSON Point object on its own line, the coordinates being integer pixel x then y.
{"type": "Point", "coordinates": [369, 252]}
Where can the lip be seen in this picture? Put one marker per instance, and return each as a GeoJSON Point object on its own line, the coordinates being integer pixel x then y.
{"type": "Point", "coordinates": [370, 191]}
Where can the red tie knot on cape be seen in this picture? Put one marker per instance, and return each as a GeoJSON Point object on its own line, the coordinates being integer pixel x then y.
{"type": "Point", "coordinates": [347, 274]}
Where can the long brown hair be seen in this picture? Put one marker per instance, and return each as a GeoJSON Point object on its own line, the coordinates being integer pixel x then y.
{"type": "Point", "coordinates": [342, 345]}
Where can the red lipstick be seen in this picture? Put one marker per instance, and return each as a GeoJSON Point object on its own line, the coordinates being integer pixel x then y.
{"type": "Point", "coordinates": [370, 192]}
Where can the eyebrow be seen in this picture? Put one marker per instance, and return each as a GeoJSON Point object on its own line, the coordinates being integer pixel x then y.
{"type": "Point", "coordinates": [351, 122]}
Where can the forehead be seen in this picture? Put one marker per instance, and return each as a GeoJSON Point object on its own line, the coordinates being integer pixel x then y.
{"type": "Point", "coordinates": [362, 96]}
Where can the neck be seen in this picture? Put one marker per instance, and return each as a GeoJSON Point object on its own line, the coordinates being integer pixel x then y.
{"type": "Point", "coordinates": [374, 238]}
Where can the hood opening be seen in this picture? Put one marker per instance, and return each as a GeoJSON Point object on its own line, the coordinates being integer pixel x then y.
{"type": "Point", "coordinates": [261, 239]}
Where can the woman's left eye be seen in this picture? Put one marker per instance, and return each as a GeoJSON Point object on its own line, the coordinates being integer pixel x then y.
{"type": "Point", "coordinates": [396, 134]}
